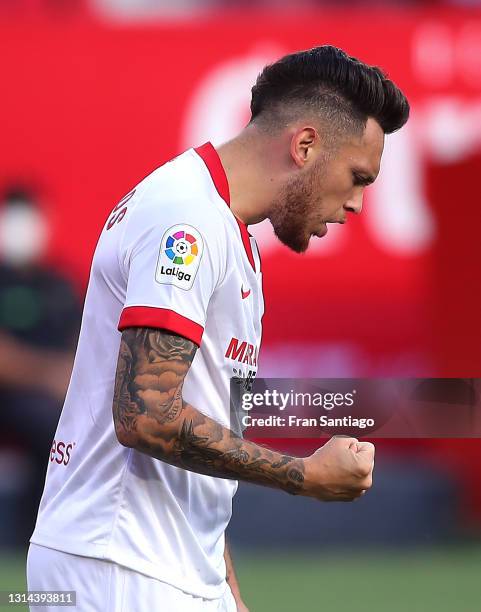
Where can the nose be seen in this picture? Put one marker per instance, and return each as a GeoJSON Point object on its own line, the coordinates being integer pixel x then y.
{"type": "Point", "coordinates": [354, 205]}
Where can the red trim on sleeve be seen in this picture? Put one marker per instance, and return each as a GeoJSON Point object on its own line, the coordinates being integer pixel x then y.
{"type": "Point", "coordinates": [216, 170]}
{"type": "Point", "coordinates": [160, 318]}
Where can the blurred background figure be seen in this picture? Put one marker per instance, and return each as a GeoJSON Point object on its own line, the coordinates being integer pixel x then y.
{"type": "Point", "coordinates": [39, 318]}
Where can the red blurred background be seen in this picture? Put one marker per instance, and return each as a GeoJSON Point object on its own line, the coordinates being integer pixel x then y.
{"type": "Point", "coordinates": [90, 107]}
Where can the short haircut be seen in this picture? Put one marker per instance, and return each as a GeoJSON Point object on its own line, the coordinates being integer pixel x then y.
{"type": "Point", "coordinates": [329, 84]}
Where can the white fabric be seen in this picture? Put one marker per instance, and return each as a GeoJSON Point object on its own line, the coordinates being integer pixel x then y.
{"type": "Point", "coordinates": [103, 586]}
{"type": "Point", "coordinates": [106, 501]}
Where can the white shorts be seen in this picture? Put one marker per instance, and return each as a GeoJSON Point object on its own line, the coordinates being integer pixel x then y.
{"type": "Point", "coordinates": [103, 586]}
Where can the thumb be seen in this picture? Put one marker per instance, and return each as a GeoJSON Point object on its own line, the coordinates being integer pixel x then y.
{"type": "Point", "coordinates": [353, 444]}
{"type": "Point", "coordinates": [365, 453]}
{"type": "Point", "coordinates": [346, 441]}
{"type": "Point", "coordinates": [366, 447]}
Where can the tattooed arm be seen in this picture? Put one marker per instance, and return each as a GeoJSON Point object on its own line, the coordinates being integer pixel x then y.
{"type": "Point", "coordinates": [151, 416]}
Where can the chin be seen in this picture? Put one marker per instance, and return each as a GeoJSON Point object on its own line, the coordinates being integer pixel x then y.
{"type": "Point", "coordinates": [298, 246]}
{"type": "Point", "coordinates": [297, 242]}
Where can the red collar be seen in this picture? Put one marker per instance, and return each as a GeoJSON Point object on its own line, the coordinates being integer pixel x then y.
{"type": "Point", "coordinates": [214, 165]}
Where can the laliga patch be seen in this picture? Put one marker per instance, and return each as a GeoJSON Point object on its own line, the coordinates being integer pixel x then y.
{"type": "Point", "coordinates": [179, 258]}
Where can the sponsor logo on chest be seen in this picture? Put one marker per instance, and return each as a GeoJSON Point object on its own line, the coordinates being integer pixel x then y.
{"type": "Point", "coordinates": [242, 352]}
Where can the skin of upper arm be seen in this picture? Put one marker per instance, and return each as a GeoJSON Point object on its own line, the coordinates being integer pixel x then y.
{"type": "Point", "coordinates": [151, 369]}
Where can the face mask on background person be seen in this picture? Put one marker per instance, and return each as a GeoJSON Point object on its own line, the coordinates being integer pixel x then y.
{"type": "Point", "coordinates": [24, 232]}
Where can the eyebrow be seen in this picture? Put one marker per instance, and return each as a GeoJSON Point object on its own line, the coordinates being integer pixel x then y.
{"type": "Point", "coordinates": [362, 178]}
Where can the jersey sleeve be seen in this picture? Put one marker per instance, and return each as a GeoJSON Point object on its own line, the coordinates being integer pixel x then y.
{"type": "Point", "coordinates": [174, 259]}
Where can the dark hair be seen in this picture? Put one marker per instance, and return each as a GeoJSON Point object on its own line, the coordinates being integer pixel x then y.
{"type": "Point", "coordinates": [339, 88]}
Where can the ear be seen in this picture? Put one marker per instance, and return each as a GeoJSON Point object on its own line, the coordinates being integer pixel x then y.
{"type": "Point", "coordinates": [303, 143]}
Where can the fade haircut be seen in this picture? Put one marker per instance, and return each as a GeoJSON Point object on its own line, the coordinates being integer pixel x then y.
{"type": "Point", "coordinates": [326, 83]}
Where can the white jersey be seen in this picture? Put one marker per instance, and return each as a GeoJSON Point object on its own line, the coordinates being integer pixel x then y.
{"type": "Point", "coordinates": [172, 256]}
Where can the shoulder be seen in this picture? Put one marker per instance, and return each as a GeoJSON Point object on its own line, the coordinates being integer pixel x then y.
{"type": "Point", "coordinates": [176, 197]}
{"type": "Point", "coordinates": [178, 190]}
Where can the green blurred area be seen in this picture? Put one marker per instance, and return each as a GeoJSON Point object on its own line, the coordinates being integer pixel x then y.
{"type": "Point", "coordinates": [442, 580]}
{"type": "Point", "coordinates": [12, 577]}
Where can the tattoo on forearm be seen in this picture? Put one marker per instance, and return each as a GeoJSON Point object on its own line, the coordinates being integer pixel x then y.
{"type": "Point", "coordinates": [150, 414]}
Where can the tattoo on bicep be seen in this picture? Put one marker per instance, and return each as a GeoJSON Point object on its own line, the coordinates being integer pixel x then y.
{"type": "Point", "coordinates": [150, 372]}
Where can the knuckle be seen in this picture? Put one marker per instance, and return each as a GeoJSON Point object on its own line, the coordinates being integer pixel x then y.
{"type": "Point", "coordinates": [363, 471]}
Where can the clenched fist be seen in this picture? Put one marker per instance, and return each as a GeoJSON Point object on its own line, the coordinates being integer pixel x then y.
{"type": "Point", "coordinates": [341, 470]}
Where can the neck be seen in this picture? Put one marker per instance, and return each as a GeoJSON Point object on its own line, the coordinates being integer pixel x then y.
{"type": "Point", "coordinates": [250, 175]}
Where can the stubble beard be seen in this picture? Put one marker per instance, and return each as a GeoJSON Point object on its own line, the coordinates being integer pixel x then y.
{"type": "Point", "coordinates": [291, 213]}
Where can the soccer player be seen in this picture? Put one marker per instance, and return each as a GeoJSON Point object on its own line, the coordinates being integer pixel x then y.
{"type": "Point", "coordinates": [135, 506]}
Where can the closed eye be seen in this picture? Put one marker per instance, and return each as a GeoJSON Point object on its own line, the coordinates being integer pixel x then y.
{"type": "Point", "coordinates": [362, 180]}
